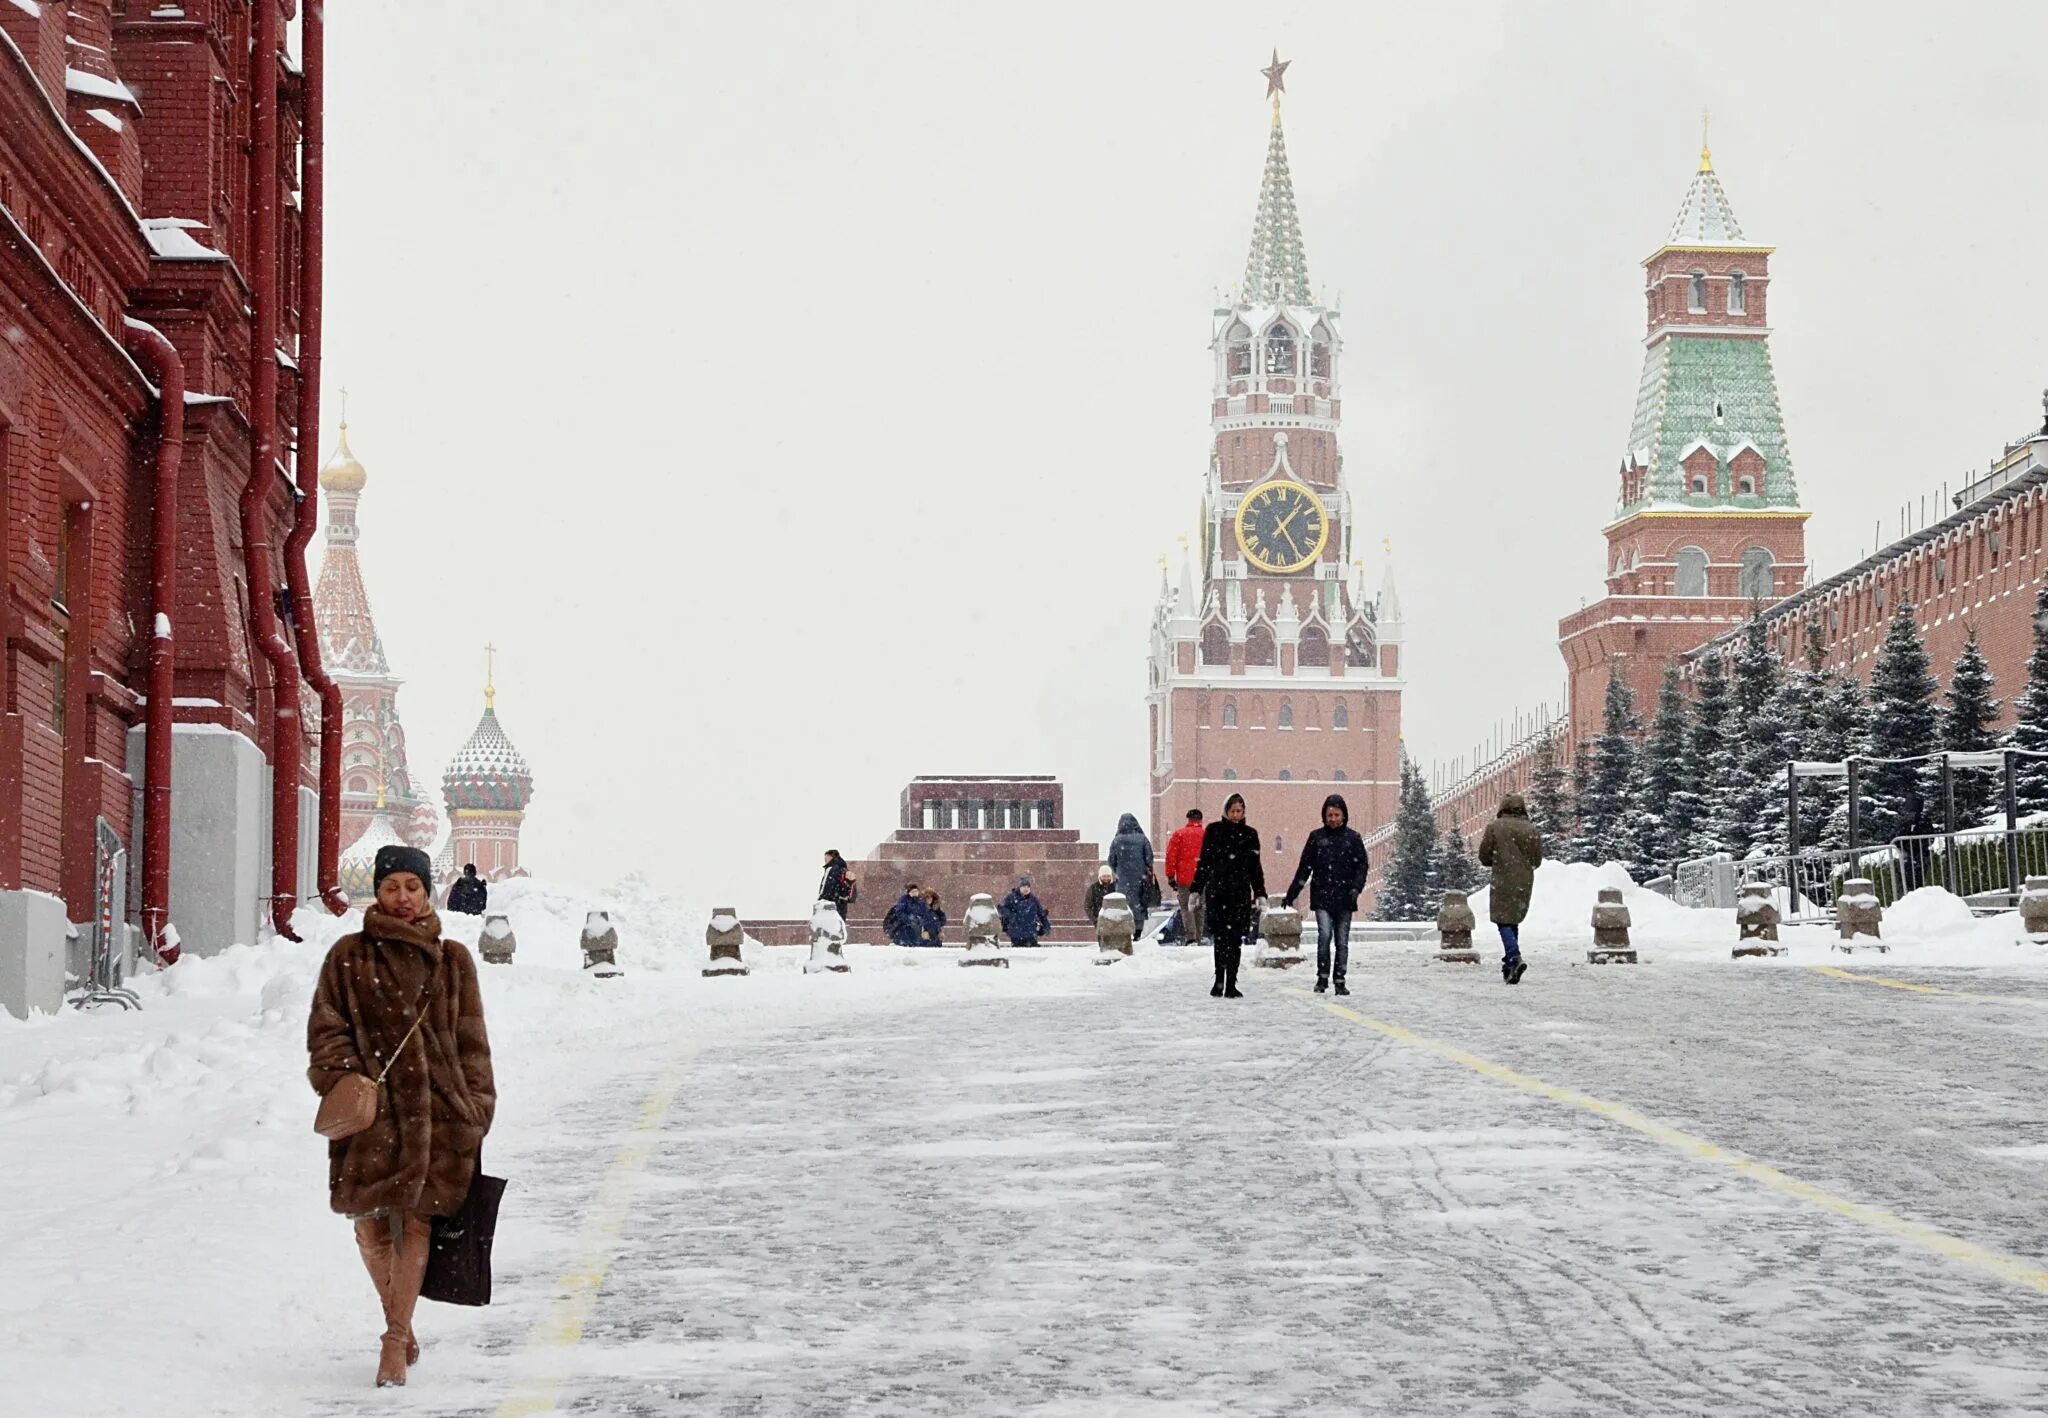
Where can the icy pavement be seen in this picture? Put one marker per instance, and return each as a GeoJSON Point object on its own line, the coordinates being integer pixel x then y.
{"type": "Point", "coordinates": [1804, 1186]}
{"type": "Point", "coordinates": [1136, 1199]}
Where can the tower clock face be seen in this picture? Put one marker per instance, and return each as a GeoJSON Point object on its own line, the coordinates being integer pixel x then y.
{"type": "Point", "coordinates": [1282, 527]}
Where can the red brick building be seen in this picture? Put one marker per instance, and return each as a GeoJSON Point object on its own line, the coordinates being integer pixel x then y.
{"type": "Point", "coordinates": [1275, 675]}
{"type": "Point", "coordinates": [159, 267]}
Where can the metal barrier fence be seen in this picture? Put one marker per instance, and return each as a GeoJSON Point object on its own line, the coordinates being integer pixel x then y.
{"type": "Point", "coordinates": [1988, 867]}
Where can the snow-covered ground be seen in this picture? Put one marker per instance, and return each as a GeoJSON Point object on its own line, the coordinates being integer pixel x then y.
{"type": "Point", "coordinates": [1067, 1189]}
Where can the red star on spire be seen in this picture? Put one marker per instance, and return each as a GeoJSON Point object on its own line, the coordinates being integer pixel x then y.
{"type": "Point", "coordinates": [1276, 75]}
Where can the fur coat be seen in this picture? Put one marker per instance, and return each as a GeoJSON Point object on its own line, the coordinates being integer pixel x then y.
{"type": "Point", "coordinates": [437, 1100]}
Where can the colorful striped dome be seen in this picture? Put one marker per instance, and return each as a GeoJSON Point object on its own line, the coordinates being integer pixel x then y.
{"type": "Point", "coordinates": [488, 773]}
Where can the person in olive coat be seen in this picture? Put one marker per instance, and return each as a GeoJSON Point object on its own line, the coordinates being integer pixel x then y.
{"type": "Point", "coordinates": [1333, 866]}
{"type": "Point", "coordinates": [1231, 878]}
{"type": "Point", "coordinates": [1513, 848]}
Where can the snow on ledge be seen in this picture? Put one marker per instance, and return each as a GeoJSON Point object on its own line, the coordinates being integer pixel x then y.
{"type": "Point", "coordinates": [29, 7]}
{"type": "Point", "coordinates": [170, 238]}
{"type": "Point", "coordinates": [106, 117]}
{"type": "Point", "coordinates": [77, 81]}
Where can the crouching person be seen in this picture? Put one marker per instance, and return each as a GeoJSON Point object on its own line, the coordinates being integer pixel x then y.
{"type": "Point", "coordinates": [1024, 919]}
{"type": "Point", "coordinates": [397, 1008]}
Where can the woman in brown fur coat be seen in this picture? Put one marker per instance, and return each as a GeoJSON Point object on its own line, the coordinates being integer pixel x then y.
{"type": "Point", "coordinates": [416, 1160]}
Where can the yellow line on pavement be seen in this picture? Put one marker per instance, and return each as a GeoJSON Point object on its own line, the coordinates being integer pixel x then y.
{"type": "Point", "coordinates": [1832, 973]}
{"type": "Point", "coordinates": [560, 1326]}
{"type": "Point", "coordinates": [2011, 1269]}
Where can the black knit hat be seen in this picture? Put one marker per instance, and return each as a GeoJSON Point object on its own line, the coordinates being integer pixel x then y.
{"type": "Point", "coordinates": [398, 857]}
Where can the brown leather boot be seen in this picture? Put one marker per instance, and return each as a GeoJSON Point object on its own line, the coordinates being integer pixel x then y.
{"type": "Point", "coordinates": [408, 1269]}
{"type": "Point", "coordinates": [373, 1240]}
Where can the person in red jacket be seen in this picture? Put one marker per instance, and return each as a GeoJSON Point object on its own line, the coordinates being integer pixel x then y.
{"type": "Point", "coordinates": [1183, 851]}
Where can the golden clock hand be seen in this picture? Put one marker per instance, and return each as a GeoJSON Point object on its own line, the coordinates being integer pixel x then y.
{"type": "Point", "coordinates": [1285, 521]}
{"type": "Point", "coordinates": [1291, 542]}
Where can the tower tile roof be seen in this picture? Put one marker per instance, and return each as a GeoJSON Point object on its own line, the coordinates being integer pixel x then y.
{"type": "Point", "coordinates": [1716, 393]}
{"type": "Point", "coordinates": [1704, 217]}
{"type": "Point", "coordinates": [1276, 271]}
{"type": "Point", "coordinates": [488, 773]}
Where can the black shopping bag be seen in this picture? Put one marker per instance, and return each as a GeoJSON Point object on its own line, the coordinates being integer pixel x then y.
{"type": "Point", "coordinates": [459, 1256]}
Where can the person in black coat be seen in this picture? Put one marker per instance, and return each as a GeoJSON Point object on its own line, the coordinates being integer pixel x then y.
{"type": "Point", "coordinates": [1130, 858]}
{"type": "Point", "coordinates": [1231, 878]}
{"type": "Point", "coordinates": [469, 894]}
{"type": "Point", "coordinates": [837, 887]}
{"type": "Point", "coordinates": [909, 921]}
{"type": "Point", "coordinates": [1024, 917]}
{"type": "Point", "coordinates": [1333, 865]}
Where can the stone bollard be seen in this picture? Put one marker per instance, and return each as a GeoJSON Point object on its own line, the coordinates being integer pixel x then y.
{"type": "Point", "coordinates": [1454, 926]}
{"type": "Point", "coordinates": [1279, 936]}
{"type": "Point", "coordinates": [984, 933]}
{"type": "Point", "coordinates": [1114, 926]}
{"type": "Point", "coordinates": [828, 941]}
{"type": "Point", "coordinates": [1610, 931]}
{"type": "Point", "coordinates": [725, 935]}
{"type": "Point", "coordinates": [2034, 908]}
{"type": "Point", "coordinates": [497, 942]}
{"type": "Point", "coordinates": [1756, 918]}
{"type": "Point", "coordinates": [600, 945]}
{"type": "Point", "coordinates": [1858, 914]}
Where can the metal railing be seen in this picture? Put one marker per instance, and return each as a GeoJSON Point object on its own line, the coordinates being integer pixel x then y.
{"type": "Point", "coordinates": [1988, 867]}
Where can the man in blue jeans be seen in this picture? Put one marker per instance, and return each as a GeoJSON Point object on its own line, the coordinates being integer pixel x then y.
{"type": "Point", "coordinates": [1333, 865]}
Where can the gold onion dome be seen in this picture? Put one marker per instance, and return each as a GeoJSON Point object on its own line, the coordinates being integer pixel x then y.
{"type": "Point", "coordinates": [342, 473]}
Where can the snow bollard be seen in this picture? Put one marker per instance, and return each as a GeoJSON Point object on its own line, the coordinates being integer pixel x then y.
{"type": "Point", "coordinates": [725, 935]}
{"type": "Point", "coordinates": [600, 945]}
{"type": "Point", "coordinates": [1279, 937]}
{"type": "Point", "coordinates": [828, 941]}
{"type": "Point", "coordinates": [1454, 926]}
{"type": "Point", "coordinates": [2034, 909]}
{"type": "Point", "coordinates": [1610, 931]}
{"type": "Point", "coordinates": [1756, 921]}
{"type": "Point", "coordinates": [497, 942]}
{"type": "Point", "coordinates": [1114, 928]}
{"type": "Point", "coordinates": [1859, 920]}
{"type": "Point", "coordinates": [984, 933]}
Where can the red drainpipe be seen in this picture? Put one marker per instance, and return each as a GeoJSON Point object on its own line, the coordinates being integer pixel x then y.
{"type": "Point", "coordinates": [285, 732]}
{"type": "Point", "coordinates": [160, 360]}
{"type": "Point", "coordinates": [313, 198]}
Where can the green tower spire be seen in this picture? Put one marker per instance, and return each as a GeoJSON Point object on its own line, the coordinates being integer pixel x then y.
{"type": "Point", "coordinates": [1276, 271]}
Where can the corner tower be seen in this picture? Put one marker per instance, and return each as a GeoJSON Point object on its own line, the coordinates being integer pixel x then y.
{"type": "Point", "coordinates": [1271, 672]}
{"type": "Point", "coordinates": [1707, 518]}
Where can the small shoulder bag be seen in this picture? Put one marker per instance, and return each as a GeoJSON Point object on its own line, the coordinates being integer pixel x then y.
{"type": "Point", "coordinates": [350, 1106]}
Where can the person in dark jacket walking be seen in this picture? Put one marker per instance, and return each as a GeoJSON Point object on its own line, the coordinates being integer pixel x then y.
{"type": "Point", "coordinates": [1024, 918]}
{"type": "Point", "coordinates": [1231, 878]}
{"type": "Point", "coordinates": [1513, 848]}
{"type": "Point", "coordinates": [469, 895]}
{"type": "Point", "coordinates": [1105, 882]}
{"type": "Point", "coordinates": [909, 921]}
{"type": "Point", "coordinates": [1333, 866]}
{"type": "Point", "coordinates": [1130, 859]}
{"type": "Point", "coordinates": [837, 887]}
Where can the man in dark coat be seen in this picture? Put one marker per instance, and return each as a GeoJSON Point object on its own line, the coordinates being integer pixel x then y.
{"type": "Point", "coordinates": [837, 887]}
{"type": "Point", "coordinates": [469, 894]}
{"type": "Point", "coordinates": [1333, 865]}
{"type": "Point", "coordinates": [1513, 848]}
{"type": "Point", "coordinates": [1231, 878]}
{"type": "Point", "coordinates": [1130, 858]}
{"type": "Point", "coordinates": [1024, 918]}
{"type": "Point", "coordinates": [909, 921]}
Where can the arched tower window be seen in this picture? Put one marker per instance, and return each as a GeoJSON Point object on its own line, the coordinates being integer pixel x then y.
{"type": "Point", "coordinates": [1237, 351]}
{"type": "Point", "coordinates": [1319, 353]}
{"type": "Point", "coordinates": [1258, 647]}
{"type": "Point", "coordinates": [1286, 775]}
{"type": "Point", "coordinates": [1746, 485]}
{"type": "Point", "coordinates": [1341, 776]}
{"type": "Point", "coordinates": [1280, 348]}
{"type": "Point", "coordinates": [1314, 648]}
{"type": "Point", "coordinates": [1738, 293]}
{"type": "Point", "coordinates": [1692, 572]}
{"type": "Point", "coordinates": [1286, 713]}
{"type": "Point", "coordinates": [1756, 580]}
{"type": "Point", "coordinates": [1696, 292]}
{"type": "Point", "coordinates": [1215, 644]}
{"type": "Point", "coordinates": [1340, 717]}
{"type": "Point", "coordinates": [1230, 713]}
{"type": "Point", "coordinates": [1230, 775]}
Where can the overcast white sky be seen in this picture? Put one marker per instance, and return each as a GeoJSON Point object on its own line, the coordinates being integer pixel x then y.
{"type": "Point", "coordinates": [800, 396]}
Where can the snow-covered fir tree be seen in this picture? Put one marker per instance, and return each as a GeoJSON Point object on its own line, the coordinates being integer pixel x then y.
{"type": "Point", "coordinates": [1607, 803]}
{"type": "Point", "coordinates": [1903, 725]}
{"type": "Point", "coordinates": [1969, 710]}
{"type": "Point", "coordinates": [1407, 889]}
{"type": "Point", "coordinates": [1841, 732]}
{"type": "Point", "coordinates": [1660, 829]}
{"type": "Point", "coordinates": [1578, 845]}
{"type": "Point", "coordinates": [1706, 758]}
{"type": "Point", "coordinates": [1752, 807]}
{"type": "Point", "coordinates": [2030, 716]}
{"type": "Point", "coordinates": [1806, 695]}
{"type": "Point", "coordinates": [1550, 790]}
{"type": "Point", "coordinates": [1456, 868]}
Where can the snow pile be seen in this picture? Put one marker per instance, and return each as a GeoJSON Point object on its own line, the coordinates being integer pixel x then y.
{"type": "Point", "coordinates": [1927, 913]}
{"type": "Point", "coordinates": [1561, 908]}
